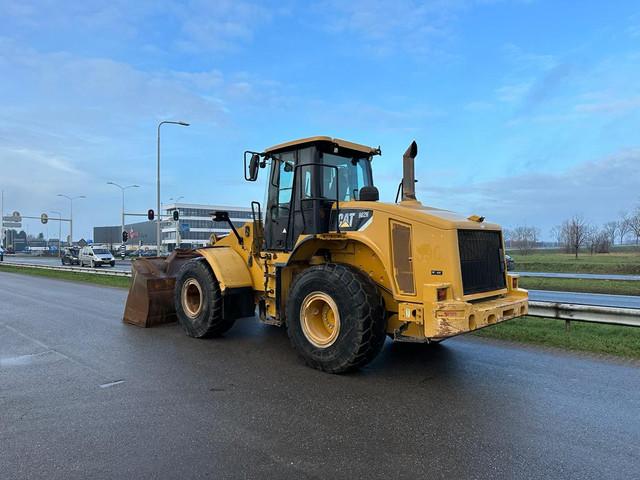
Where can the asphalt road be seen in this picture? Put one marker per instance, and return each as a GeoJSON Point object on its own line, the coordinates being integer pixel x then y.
{"type": "Point", "coordinates": [84, 396]}
{"type": "Point", "coordinates": [584, 276]}
{"type": "Point", "coordinates": [121, 265]}
{"type": "Point", "coordinates": [621, 301]}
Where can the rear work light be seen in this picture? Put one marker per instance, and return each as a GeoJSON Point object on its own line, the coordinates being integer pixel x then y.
{"type": "Point", "coordinates": [514, 283]}
{"type": "Point", "coordinates": [442, 294]}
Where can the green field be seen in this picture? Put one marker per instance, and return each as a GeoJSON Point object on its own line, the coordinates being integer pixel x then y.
{"type": "Point", "coordinates": [581, 336]}
{"type": "Point", "coordinates": [105, 280]}
{"type": "Point", "coordinates": [613, 287]}
{"type": "Point", "coordinates": [625, 262]}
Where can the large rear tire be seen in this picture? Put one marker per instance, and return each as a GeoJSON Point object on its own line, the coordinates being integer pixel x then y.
{"type": "Point", "coordinates": [198, 301]}
{"type": "Point", "coordinates": [335, 318]}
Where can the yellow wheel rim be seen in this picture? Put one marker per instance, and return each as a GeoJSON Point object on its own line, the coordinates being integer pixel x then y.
{"type": "Point", "coordinates": [320, 319]}
{"type": "Point", "coordinates": [191, 296]}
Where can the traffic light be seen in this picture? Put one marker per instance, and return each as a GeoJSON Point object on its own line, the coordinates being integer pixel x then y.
{"type": "Point", "coordinates": [176, 216]}
{"type": "Point", "coordinates": [125, 236]}
{"type": "Point", "coordinates": [150, 214]}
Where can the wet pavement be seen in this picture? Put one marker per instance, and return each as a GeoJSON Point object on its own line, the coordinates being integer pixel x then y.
{"type": "Point", "coordinates": [84, 396]}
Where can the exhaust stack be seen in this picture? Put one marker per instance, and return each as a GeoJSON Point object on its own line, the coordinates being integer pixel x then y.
{"type": "Point", "coordinates": [408, 172]}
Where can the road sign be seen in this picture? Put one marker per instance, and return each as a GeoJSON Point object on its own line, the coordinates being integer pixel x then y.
{"type": "Point", "coordinates": [12, 224]}
{"type": "Point", "coordinates": [44, 218]}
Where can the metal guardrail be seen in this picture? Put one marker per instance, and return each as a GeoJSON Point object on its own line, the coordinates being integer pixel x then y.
{"type": "Point", "coordinates": [586, 313]}
{"type": "Point", "coordinates": [561, 311]}
{"type": "Point", "coordinates": [97, 271]}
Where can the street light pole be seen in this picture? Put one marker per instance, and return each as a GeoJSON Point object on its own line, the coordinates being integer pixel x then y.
{"type": "Point", "coordinates": [59, 231]}
{"type": "Point", "coordinates": [158, 220]}
{"type": "Point", "coordinates": [2, 241]}
{"type": "Point", "coordinates": [122, 189]}
{"type": "Point", "coordinates": [71, 199]}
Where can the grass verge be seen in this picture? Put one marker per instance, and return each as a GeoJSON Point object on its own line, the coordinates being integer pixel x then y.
{"type": "Point", "coordinates": [612, 287]}
{"type": "Point", "coordinates": [622, 262]}
{"type": "Point", "coordinates": [586, 337]}
{"type": "Point", "coordinates": [105, 280]}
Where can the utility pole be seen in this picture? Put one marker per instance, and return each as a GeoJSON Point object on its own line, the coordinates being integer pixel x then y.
{"type": "Point", "coordinates": [59, 231]}
{"type": "Point", "coordinates": [158, 219]}
{"type": "Point", "coordinates": [122, 188]}
{"type": "Point", "coordinates": [2, 239]}
{"type": "Point", "coordinates": [71, 199]}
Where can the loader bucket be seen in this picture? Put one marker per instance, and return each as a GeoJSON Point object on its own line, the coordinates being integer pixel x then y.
{"type": "Point", "coordinates": [151, 294]}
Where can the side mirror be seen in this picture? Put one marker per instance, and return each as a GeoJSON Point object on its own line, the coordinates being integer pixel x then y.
{"type": "Point", "coordinates": [251, 167]}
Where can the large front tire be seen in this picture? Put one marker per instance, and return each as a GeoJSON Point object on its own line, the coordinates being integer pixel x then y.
{"type": "Point", "coordinates": [335, 318]}
{"type": "Point", "coordinates": [198, 301]}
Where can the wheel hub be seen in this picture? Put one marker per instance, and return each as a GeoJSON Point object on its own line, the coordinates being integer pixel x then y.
{"type": "Point", "coordinates": [191, 297]}
{"type": "Point", "coordinates": [320, 319]}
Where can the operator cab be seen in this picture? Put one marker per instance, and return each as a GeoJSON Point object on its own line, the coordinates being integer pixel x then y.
{"type": "Point", "coordinates": [307, 178]}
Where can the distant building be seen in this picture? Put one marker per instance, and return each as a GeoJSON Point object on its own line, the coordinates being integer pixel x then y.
{"type": "Point", "coordinates": [195, 227]}
{"type": "Point", "coordinates": [16, 240]}
{"type": "Point", "coordinates": [141, 233]}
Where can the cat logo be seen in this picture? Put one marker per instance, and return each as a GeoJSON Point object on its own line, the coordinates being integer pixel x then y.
{"type": "Point", "coordinates": [352, 219]}
{"type": "Point", "coordinates": [345, 220]}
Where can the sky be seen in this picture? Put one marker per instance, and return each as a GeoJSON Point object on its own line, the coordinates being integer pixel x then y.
{"type": "Point", "coordinates": [525, 112]}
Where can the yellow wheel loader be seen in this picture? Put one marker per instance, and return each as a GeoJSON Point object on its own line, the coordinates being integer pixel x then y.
{"type": "Point", "coordinates": [340, 270]}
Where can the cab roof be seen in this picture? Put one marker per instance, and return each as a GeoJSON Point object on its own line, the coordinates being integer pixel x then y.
{"type": "Point", "coordinates": [323, 139]}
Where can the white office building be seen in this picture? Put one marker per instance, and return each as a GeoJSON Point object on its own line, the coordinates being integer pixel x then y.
{"type": "Point", "coordinates": [195, 226]}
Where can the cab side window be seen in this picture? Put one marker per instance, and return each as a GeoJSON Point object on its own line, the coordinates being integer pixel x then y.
{"type": "Point", "coordinates": [284, 181]}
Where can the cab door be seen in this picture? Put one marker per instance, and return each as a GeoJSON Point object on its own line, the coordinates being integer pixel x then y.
{"type": "Point", "coordinates": [279, 201]}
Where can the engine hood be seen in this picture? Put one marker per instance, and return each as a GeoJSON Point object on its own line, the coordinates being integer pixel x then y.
{"type": "Point", "coordinates": [414, 211]}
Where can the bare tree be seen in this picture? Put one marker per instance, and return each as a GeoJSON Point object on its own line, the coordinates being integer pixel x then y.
{"type": "Point", "coordinates": [524, 238]}
{"type": "Point", "coordinates": [624, 226]}
{"type": "Point", "coordinates": [575, 232]}
{"type": "Point", "coordinates": [556, 234]}
{"type": "Point", "coordinates": [634, 224]}
{"type": "Point", "coordinates": [611, 230]}
{"type": "Point", "coordinates": [599, 241]}
{"type": "Point", "coordinates": [507, 235]}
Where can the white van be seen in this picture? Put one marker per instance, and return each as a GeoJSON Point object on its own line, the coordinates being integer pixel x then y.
{"type": "Point", "coordinates": [95, 256]}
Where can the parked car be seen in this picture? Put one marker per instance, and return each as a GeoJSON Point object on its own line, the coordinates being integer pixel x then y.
{"type": "Point", "coordinates": [511, 264]}
{"type": "Point", "coordinates": [70, 256]}
{"type": "Point", "coordinates": [96, 256]}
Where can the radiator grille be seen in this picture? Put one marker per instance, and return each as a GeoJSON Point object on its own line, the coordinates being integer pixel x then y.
{"type": "Point", "coordinates": [481, 261]}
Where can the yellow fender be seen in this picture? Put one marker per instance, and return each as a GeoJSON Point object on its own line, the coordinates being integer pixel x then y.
{"type": "Point", "coordinates": [228, 266]}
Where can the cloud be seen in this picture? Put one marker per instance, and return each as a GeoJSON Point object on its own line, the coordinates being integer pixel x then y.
{"type": "Point", "coordinates": [547, 85]}
{"type": "Point", "coordinates": [220, 25]}
{"type": "Point", "coordinates": [384, 27]}
{"type": "Point", "coordinates": [599, 189]}
{"type": "Point", "coordinates": [612, 106]}
{"type": "Point", "coordinates": [513, 93]}
{"type": "Point", "coordinates": [532, 79]}
{"type": "Point", "coordinates": [191, 26]}
{"type": "Point", "coordinates": [70, 123]}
